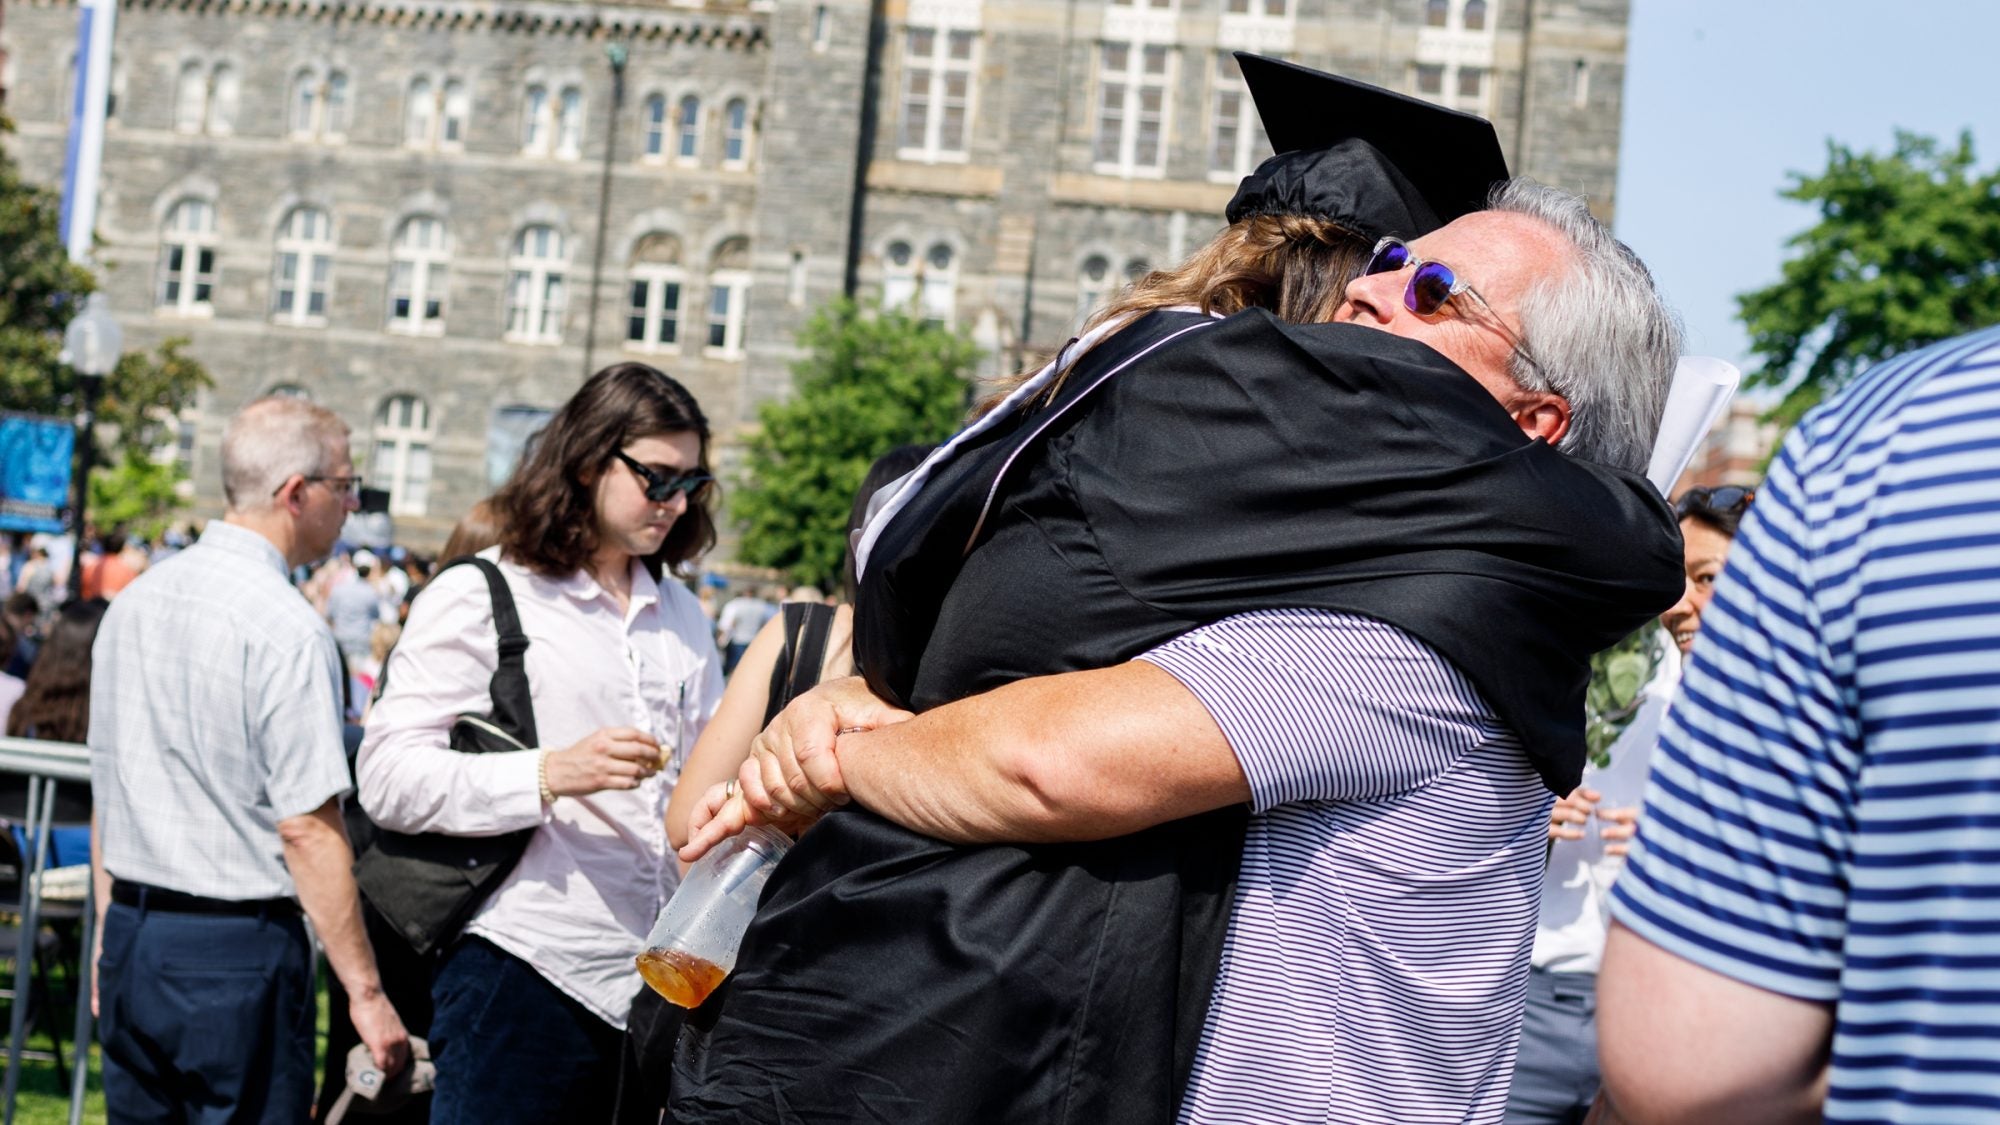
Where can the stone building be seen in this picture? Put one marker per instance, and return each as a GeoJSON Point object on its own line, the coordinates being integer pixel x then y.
{"type": "Point", "coordinates": [435, 216]}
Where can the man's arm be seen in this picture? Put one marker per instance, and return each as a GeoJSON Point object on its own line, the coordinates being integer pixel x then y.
{"type": "Point", "coordinates": [1678, 1042]}
{"type": "Point", "coordinates": [322, 867]}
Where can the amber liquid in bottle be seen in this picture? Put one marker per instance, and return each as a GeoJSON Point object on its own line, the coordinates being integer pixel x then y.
{"type": "Point", "coordinates": [682, 978]}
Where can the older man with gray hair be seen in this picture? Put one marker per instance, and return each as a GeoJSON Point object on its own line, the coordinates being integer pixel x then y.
{"type": "Point", "coordinates": [218, 770]}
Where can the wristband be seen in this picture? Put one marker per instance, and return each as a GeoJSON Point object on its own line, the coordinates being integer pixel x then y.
{"type": "Point", "coordinates": [542, 778]}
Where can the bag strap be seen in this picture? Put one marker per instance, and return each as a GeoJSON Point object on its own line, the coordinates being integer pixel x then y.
{"type": "Point", "coordinates": [807, 627]}
{"type": "Point", "coordinates": [513, 704]}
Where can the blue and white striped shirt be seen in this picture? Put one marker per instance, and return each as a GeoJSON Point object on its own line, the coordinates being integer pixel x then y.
{"type": "Point", "coordinates": [1823, 819]}
{"type": "Point", "coordinates": [1375, 966]}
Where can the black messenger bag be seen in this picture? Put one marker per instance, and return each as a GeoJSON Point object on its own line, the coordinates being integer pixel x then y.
{"type": "Point", "coordinates": [427, 885]}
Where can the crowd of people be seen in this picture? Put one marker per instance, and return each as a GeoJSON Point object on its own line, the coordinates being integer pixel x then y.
{"type": "Point", "coordinates": [1199, 735]}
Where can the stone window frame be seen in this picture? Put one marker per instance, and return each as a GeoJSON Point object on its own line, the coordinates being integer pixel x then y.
{"type": "Point", "coordinates": [729, 287]}
{"type": "Point", "coordinates": [937, 284]}
{"type": "Point", "coordinates": [687, 128]}
{"type": "Point", "coordinates": [656, 262]}
{"type": "Point", "coordinates": [927, 110]}
{"type": "Point", "coordinates": [656, 124]}
{"type": "Point", "coordinates": [1261, 9]}
{"type": "Point", "coordinates": [319, 104]}
{"type": "Point", "coordinates": [899, 273]}
{"type": "Point", "coordinates": [538, 120]}
{"type": "Point", "coordinates": [454, 107]}
{"type": "Point", "coordinates": [179, 286]}
{"type": "Point", "coordinates": [1247, 144]}
{"type": "Point", "coordinates": [532, 278]}
{"type": "Point", "coordinates": [191, 90]}
{"type": "Point", "coordinates": [571, 117]}
{"type": "Point", "coordinates": [1133, 82]}
{"type": "Point", "coordinates": [310, 252]}
{"type": "Point", "coordinates": [742, 133]}
{"type": "Point", "coordinates": [405, 431]}
{"type": "Point", "coordinates": [429, 276]}
{"type": "Point", "coordinates": [421, 95]}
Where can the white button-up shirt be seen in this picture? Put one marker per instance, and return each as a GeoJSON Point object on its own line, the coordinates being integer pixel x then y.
{"type": "Point", "coordinates": [578, 905]}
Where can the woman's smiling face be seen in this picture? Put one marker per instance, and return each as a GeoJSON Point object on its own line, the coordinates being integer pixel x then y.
{"type": "Point", "coordinates": [1703, 551]}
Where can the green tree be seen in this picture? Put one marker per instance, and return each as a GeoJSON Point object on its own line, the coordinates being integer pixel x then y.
{"type": "Point", "coordinates": [1906, 252]}
{"type": "Point", "coordinates": [871, 380]}
{"type": "Point", "coordinates": [40, 289]}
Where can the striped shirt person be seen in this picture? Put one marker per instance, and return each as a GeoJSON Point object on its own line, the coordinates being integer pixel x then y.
{"type": "Point", "coordinates": [1823, 820]}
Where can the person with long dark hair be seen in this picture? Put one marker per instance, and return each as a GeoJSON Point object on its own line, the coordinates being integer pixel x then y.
{"type": "Point", "coordinates": [55, 704]}
{"type": "Point", "coordinates": [532, 1000]}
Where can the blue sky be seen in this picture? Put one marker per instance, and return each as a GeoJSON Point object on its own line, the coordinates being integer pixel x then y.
{"type": "Point", "coordinates": [1725, 98]}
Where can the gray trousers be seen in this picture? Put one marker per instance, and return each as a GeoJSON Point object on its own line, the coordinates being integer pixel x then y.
{"type": "Point", "coordinates": [1555, 1074]}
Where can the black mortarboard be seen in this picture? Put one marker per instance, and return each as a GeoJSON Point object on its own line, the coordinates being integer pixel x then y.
{"type": "Point", "coordinates": [1371, 159]}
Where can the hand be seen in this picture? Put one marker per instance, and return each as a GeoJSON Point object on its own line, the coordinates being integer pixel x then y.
{"type": "Point", "coordinates": [723, 813]}
{"type": "Point", "coordinates": [611, 758]}
{"type": "Point", "coordinates": [1571, 812]}
{"type": "Point", "coordinates": [792, 770]}
{"type": "Point", "coordinates": [1620, 825]}
{"type": "Point", "coordinates": [96, 960]}
{"type": "Point", "coordinates": [378, 1025]}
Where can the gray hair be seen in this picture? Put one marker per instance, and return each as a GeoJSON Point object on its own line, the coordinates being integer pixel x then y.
{"type": "Point", "coordinates": [1601, 334]}
{"type": "Point", "coordinates": [269, 440]}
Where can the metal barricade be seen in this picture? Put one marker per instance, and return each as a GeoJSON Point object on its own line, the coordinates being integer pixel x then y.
{"type": "Point", "coordinates": [46, 764]}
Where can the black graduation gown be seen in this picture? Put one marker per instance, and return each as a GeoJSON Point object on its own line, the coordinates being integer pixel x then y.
{"type": "Point", "coordinates": [1187, 470]}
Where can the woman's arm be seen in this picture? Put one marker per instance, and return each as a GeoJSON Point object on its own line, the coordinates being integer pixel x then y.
{"type": "Point", "coordinates": [725, 742]}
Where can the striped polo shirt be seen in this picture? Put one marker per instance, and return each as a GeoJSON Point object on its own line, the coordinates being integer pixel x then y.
{"type": "Point", "coordinates": [1375, 965]}
{"type": "Point", "coordinates": [1823, 819]}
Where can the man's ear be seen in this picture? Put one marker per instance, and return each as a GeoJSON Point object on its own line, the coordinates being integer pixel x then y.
{"type": "Point", "coordinates": [1542, 415]}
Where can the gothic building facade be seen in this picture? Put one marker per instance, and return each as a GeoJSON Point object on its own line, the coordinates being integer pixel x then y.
{"type": "Point", "coordinates": [436, 216]}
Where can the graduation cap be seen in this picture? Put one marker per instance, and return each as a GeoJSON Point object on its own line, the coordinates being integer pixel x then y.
{"type": "Point", "coordinates": [1373, 160]}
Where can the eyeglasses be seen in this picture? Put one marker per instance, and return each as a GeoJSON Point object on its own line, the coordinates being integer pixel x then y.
{"type": "Point", "coordinates": [660, 488]}
{"type": "Point", "coordinates": [1729, 500]}
{"type": "Point", "coordinates": [348, 486]}
{"type": "Point", "coordinates": [1432, 286]}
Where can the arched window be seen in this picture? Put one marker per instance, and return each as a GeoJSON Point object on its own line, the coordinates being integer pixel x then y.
{"type": "Point", "coordinates": [899, 275]}
{"type": "Point", "coordinates": [687, 130]}
{"type": "Point", "coordinates": [569, 124]}
{"type": "Point", "coordinates": [420, 115]}
{"type": "Point", "coordinates": [537, 121]}
{"type": "Point", "coordinates": [303, 268]}
{"type": "Point", "coordinates": [728, 293]}
{"type": "Point", "coordinates": [736, 133]}
{"type": "Point", "coordinates": [795, 280]}
{"type": "Point", "coordinates": [509, 438]}
{"type": "Point", "coordinates": [335, 125]}
{"type": "Point", "coordinates": [1136, 268]}
{"type": "Point", "coordinates": [653, 307]}
{"type": "Point", "coordinates": [187, 259]}
{"type": "Point", "coordinates": [402, 458]}
{"type": "Point", "coordinates": [224, 92]}
{"type": "Point", "coordinates": [289, 390]}
{"type": "Point", "coordinates": [1437, 13]}
{"type": "Point", "coordinates": [537, 295]}
{"type": "Point", "coordinates": [305, 104]}
{"type": "Point", "coordinates": [1093, 281]}
{"type": "Point", "coordinates": [457, 113]}
{"type": "Point", "coordinates": [417, 277]}
{"type": "Point", "coordinates": [191, 98]}
{"type": "Point", "coordinates": [939, 294]}
{"type": "Point", "coordinates": [1474, 16]}
{"type": "Point", "coordinates": [653, 123]}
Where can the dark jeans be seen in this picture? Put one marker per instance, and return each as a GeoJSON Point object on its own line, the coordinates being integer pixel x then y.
{"type": "Point", "coordinates": [1555, 1076]}
{"type": "Point", "coordinates": [205, 1018]}
{"type": "Point", "coordinates": [510, 1046]}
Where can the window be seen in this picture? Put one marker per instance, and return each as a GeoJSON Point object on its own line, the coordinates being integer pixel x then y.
{"type": "Point", "coordinates": [303, 269]}
{"type": "Point", "coordinates": [536, 294]}
{"type": "Point", "coordinates": [417, 277]}
{"type": "Point", "coordinates": [1580, 84]}
{"type": "Point", "coordinates": [191, 99]}
{"type": "Point", "coordinates": [653, 120]}
{"type": "Point", "coordinates": [420, 115]}
{"type": "Point", "coordinates": [1131, 108]}
{"type": "Point", "coordinates": [537, 121]}
{"type": "Point", "coordinates": [1157, 5]}
{"type": "Point", "coordinates": [1273, 8]}
{"type": "Point", "coordinates": [511, 435]}
{"type": "Point", "coordinates": [402, 458]}
{"type": "Point", "coordinates": [653, 307]}
{"type": "Point", "coordinates": [736, 133]}
{"type": "Point", "coordinates": [319, 105]}
{"type": "Point", "coordinates": [1430, 79]}
{"type": "Point", "coordinates": [728, 293]}
{"type": "Point", "coordinates": [223, 94]}
{"type": "Point", "coordinates": [1093, 281]}
{"type": "Point", "coordinates": [1474, 16]}
{"type": "Point", "coordinates": [899, 276]}
{"type": "Point", "coordinates": [822, 27]}
{"type": "Point", "coordinates": [687, 130]}
{"type": "Point", "coordinates": [1471, 82]}
{"type": "Point", "coordinates": [457, 112]}
{"type": "Point", "coordinates": [939, 295]}
{"type": "Point", "coordinates": [795, 280]}
{"type": "Point", "coordinates": [187, 259]}
{"type": "Point", "coordinates": [1236, 140]}
{"type": "Point", "coordinates": [937, 93]}
{"type": "Point", "coordinates": [1437, 13]}
{"type": "Point", "coordinates": [569, 124]}
{"type": "Point", "coordinates": [1136, 268]}
{"type": "Point", "coordinates": [289, 390]}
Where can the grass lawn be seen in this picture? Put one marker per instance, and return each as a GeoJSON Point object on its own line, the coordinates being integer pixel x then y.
{"type": "Point", "coordinates": [44, 1100]}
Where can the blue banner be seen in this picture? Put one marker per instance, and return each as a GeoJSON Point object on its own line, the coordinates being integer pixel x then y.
{"type": "Point", "coordinates": [36, 454]}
